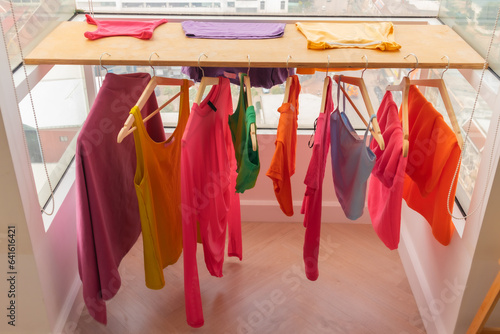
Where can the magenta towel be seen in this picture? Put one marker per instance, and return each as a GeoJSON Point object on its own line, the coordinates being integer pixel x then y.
{"type": "Point", "coordinates": [107, 211]}
{"type": "Point", "coordinates": [233, 30]}
{"type": "Point", "coordinates": [385, 189]}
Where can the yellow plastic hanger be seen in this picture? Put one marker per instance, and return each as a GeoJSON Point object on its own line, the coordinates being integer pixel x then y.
{"type": "Point", "coordinates": [155, 81]}
{"type": "Point", "coordinates": [205, 81]}
{"type": "Point", "coordinates": [439, 83]}
{"type": "Point", "coordinates": [404, 87]}
{"type": "Point", "coordinates": [360, 82]}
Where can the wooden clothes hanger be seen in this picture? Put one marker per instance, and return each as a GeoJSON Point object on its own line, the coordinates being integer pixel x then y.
{"type": "Point", "coordinates": [325, 88]}
{"type": "Point", "coordinates": [248, 90]}
{"type": "Point", "coordinates": [360, 82]}
{"type": "Point", "coordinates": [205, 81]}
{"type": "Point", "coordinates": [288, 81]}
{"type": "Point", "coordinates": [439, 83]}
{"type": "Point", "coordinates": [404, 87]}
{"type": "Point", "coordinates": [127, 128]}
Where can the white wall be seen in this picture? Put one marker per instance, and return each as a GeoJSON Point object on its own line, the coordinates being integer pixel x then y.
{"type": "Point", "coordinates": [47, 267]}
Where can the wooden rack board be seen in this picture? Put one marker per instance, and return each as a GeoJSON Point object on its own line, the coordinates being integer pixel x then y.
{"type": "Point", "coordinates": [67, 45]}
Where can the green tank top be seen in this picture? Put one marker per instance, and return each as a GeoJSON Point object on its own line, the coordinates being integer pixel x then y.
{"type": "Point", "coordinates": [247, 160]}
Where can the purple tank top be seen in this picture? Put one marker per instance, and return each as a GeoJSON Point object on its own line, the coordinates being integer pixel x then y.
{"type": "Point", "coordinates": [233, 30]}
{"type": "Point", "coordinates": [259, 77]}
{"type": "Point", "coordinates": [352, 162]}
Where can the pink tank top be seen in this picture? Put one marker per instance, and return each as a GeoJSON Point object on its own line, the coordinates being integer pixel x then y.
{"type": "Point", "coordinates": [311, 205]}
{"type": "Point", "coordinates": [110, 28]}
{"type": "Point", "coordinates": [209, 201]}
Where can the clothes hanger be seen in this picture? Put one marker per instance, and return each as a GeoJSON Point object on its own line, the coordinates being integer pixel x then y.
{"type": "Point", "coordinates": [155, 81]}
{"type": "Point", "coordinates": [439, 83]}
{"type": "Point", "coordinates": [404, 87]}
{"type": "Point", "coordinates": [360, 83]}
{"type": "Point", "coordinates": [205, 81]}
{"type": "Point", "coordinates": [325, 87]}
{"type": "Point", "coordinates": [102, 66]}
{"type": "Point", "coordinates": [288, 81]}
{"type": "Point", "coordinates": [248, 89]}
{"type": "Point", "coordinates": [100, 61]}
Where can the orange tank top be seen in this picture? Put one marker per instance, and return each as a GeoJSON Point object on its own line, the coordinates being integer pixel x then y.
{"type": "Point", "coordinates": [283, 162]}
{"type": "Point", "coordinates": [158, 186]}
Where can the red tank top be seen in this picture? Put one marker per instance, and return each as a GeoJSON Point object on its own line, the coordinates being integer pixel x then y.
{"type": "Point", "coordinates": [109, 28]}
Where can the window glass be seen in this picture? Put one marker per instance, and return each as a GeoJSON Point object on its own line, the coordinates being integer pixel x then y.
{"type": "Point", "coordinates": [61, 108]}
{"type": "Point", "coordinates": [474, 21]}
{"type": "Point", "coordinates": [381, 8]}
{"type": "Point", "coordinates": [35, 19]}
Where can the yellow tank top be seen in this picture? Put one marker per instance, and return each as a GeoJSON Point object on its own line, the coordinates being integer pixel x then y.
{"type": "Point", "coordinates": [158, 186]}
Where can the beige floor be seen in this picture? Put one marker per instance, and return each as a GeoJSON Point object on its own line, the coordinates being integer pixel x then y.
{"type": "Point", "coordinates": [362, 288]}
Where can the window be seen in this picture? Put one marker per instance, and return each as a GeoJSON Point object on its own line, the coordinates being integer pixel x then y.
{"type": "Point", "coordinates": [61, 108]}
{"type": "Point", "coordinates": [474, 21]}
{"type": "Point", "coordinates": [35, 19]}
{"type": "Point", "coordinates": [376, 8]}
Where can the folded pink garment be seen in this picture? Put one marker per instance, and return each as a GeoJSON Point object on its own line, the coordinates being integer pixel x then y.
{"type": "Point", "coordinates": [110, 28]}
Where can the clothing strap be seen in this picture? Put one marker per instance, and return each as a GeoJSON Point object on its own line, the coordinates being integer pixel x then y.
{"type": "Point", "coordinates": [338, 94]}
{"type": "Point", "coordinates": [338, 91]}
{"type": "Point", "coordinates": [242, 86]}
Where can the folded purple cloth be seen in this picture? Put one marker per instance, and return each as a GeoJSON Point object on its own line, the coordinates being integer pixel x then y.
{"type": "Point", "coordinates": [233, 30]}
{"type": "Point", "coordinates": [259, 77]}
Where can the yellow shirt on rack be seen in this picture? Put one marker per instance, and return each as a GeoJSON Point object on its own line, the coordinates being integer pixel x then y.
{"type": "Point", "coordinates": [158, 187]}
{"type": "Point", "coordinates": [333, 35]}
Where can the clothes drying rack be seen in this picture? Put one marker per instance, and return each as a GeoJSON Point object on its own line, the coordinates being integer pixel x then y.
{"type": "Point", "coordinates": [67, 45]}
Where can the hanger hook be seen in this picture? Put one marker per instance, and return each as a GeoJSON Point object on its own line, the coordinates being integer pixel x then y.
{"type": "Point", "coordinates": [199, 64]}
{"type": "Point", "coordinates": [366, 65]}
{"type": "Point", "coordinates": [416, 64]}
{"type": "Point", "coordinates": [287, 70]}
{"type": "Point", "coordinates": [151, 55]}
{"type": "Point", "coordinates": [100, 60]}
{"type": "Point", "coordinates": [328, 65]}
{"type": "Point", "coordinates": [447, 66]}
{"type": "Point", "coordinates": [248, 71]}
